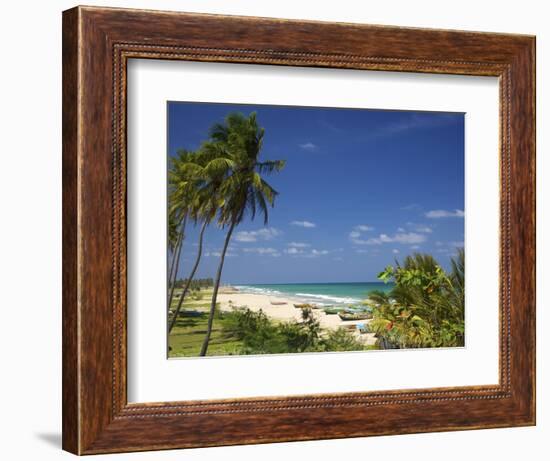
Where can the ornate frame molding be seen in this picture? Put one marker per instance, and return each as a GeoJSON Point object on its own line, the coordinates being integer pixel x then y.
{"type": "Point", "coordinates": [97, 43]}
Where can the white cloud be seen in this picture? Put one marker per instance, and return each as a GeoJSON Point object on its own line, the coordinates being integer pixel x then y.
{"type": "Point", "coordinates": [434, 214]}
{"type": "Point", "coordinates": [400, 229]}
{"type": "Point", "coordinates": [217, 254]}
{"type": "Point", "coordinates": [263, 251]}
{"type": "Point", "coordinates": [314, 253]}
{"type": "Point", "coordinates": [309, 146]}
{"type": "Point", "coordinates": [415, 247]}
{"type": "Point", "coordinates": [306, 253]}
{"type": "Point", "coordinates": [401, 237]}
{"type": "Point", "coordinates": [395, 251]}
{"type": "Point", "coordinates": [267, 233]}
{"type": "Point", "coordinates": [298, 245]}
{"type": "Point", "coordinates": [407, 238]}
{"type": "Point", "coordinates": [307, 224]}
{"type": "Point", "coordinates": [244, 237]}
{"type": "Point", "coordinates": [369, 251]}
{"type": "Point", "coordinates": [358, 230]}
{"type": "Point", "coordinates": [452, 244]}
{"type": "Point", "coordinates": [302, 249]}
{"type": "Point", "coordinates": [415, 227]}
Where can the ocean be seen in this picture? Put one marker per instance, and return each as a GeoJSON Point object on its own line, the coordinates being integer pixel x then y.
{"type": "Point", "coordinates": [320, 293]}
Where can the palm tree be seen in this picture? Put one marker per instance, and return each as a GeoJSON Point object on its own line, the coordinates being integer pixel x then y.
{"type": "Point", "coordinates": [207, 173]}
{"type": "Point", "coordinates": [181, 199]}
{"type": "Point", "coordinates": [243, 190]}
{"type": "Point", "coordinates": [176, 232]}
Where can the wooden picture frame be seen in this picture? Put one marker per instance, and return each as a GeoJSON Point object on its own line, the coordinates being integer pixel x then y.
{"type": "Point", "coordinates": [97, 43]}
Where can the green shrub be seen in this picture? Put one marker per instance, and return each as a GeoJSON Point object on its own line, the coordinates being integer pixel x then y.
{"type": "Point", "coordinates": [261, 335]}
{"type": "Point", "coordinates": [425, 308]}
{"type": "Point", "coordinates": [341, 340]}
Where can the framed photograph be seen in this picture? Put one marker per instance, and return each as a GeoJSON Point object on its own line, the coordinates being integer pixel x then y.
{"type": "Point", "coordinates": [282, 230]}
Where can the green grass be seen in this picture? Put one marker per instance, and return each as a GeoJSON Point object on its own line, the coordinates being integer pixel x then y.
{"type": "Point", "coordinates": [188, 334]}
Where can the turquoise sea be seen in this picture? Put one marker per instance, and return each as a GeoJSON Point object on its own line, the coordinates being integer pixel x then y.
{"type": "Point", "coordinates": [320, 293]}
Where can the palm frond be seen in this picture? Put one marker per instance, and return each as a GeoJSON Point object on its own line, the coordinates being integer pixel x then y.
{"type": "Point", "coordinates": [269, 166]}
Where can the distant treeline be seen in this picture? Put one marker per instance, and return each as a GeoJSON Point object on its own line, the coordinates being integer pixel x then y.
{"type": "Point", "coordinates": [196, 284]}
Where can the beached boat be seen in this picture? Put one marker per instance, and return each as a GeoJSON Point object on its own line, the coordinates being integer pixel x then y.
{"type": "Point", "coordinates": [332, 310]}
{"type": "Point", "coordinates": [355, 315]}
{"type": "Point", "coordinates": [306, 306]}
{"type": "Point", "coordinates": [363, 328]}
{"type": "Point", "coordinates": [358, 309]}
{"type": "Point", "coordinates": [278, 303]}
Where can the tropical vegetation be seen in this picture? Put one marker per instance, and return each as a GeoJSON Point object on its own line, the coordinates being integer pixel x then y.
{"type": "Point", "coordinates": [223, 181]}
{"type": "Point", "coordinates": [195, 284]}
{"type": "Point", "coordinates": [425, 307]}
{"type": "Point", "coordinates": [242, 331]}
{"type": "Point", "coordinates": [261, 335]}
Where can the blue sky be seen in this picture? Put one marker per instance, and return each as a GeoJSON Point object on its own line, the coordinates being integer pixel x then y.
{"type": "Point", "coordinates": [360, 188]}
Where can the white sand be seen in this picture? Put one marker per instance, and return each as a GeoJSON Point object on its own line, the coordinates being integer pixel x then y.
{"type": "Point", "coordinates": [286, 312]}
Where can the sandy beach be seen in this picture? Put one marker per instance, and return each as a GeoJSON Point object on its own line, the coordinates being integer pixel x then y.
{"type": "Point", "coordinates": [229, 298]}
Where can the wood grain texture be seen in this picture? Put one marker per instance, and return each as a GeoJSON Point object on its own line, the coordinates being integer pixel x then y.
{"type": "Point", "coordinates": [70, 384]}
{"type": "Point", "coordinates": [97, 43]}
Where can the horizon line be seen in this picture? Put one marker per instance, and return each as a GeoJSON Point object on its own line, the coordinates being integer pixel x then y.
{"type": "Point", "coordinates": [308, 283]}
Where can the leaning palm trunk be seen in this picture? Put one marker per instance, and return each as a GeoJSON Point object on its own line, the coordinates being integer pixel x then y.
{"type": "Point", "coordinates": [175, 263]}
{"type": "Point", "coordinates": [204, 347]}
{"type": "Point", "coordinates": [174, 259]}
{"type": "Point", "coordinates": [189, 279]}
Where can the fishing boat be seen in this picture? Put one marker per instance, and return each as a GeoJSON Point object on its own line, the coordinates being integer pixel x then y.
{"type": "Point", "coordinates": [306, 306]}
{"type": "Point", "coordinates": [355, 315]}
{"type": "Point", "coordinates": [358, 309]}
{"type": "Point", "coordinates": [332, 310]}
{"type": "Point", "coordinates": [278, 303]}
